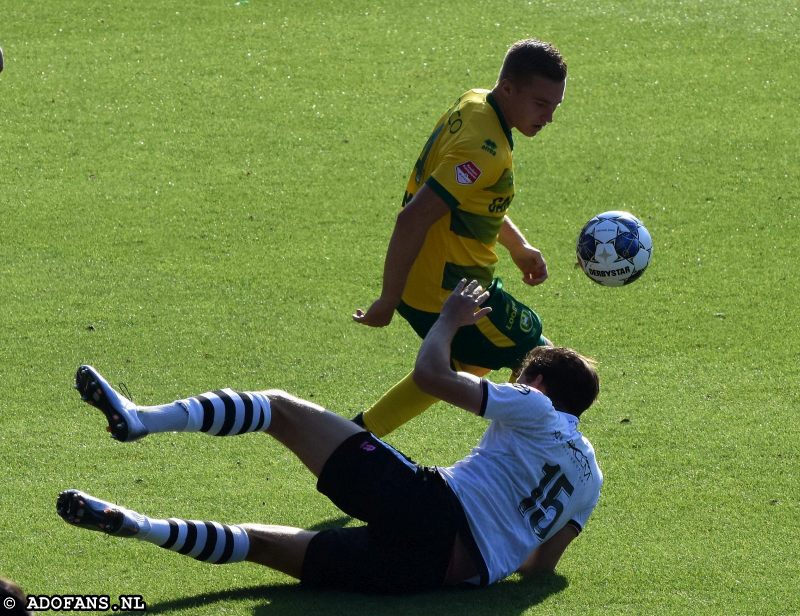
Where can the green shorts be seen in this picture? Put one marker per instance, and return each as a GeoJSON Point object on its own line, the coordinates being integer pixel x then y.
{"type": "Point", "coordinates": [501, 339]}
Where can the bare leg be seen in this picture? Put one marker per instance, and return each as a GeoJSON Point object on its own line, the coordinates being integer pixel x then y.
{"type": "Point", "coordinates": [308, 430]}
{"type": "Point", "coordinates": [282, 548]}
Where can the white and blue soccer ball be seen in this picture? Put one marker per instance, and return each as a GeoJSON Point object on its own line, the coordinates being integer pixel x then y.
{"type": "Point", "coordinates": [614, 248]}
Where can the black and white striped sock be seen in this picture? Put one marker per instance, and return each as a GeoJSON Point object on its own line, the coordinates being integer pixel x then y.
{"type": "Point", "coordinates": [219, 413]}
{"type": "Point", "coordinates": [226, 412]}
{"type": "Point", "coordinates": [209, 542]}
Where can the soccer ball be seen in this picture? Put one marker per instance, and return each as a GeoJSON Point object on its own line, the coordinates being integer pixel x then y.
{"type": "Point", "coordinates": [614, 248]}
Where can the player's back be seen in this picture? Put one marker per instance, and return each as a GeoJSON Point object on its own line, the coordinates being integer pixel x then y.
{"type": "Point", "coordinates": [532, 473]}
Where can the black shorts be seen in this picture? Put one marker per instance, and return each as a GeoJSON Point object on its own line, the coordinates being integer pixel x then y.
{"type": "Point", "coordinates": [412, 519]}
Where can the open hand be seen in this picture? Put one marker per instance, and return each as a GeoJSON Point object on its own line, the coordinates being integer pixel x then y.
{"type": "Point", "coordinates": [463, 307]}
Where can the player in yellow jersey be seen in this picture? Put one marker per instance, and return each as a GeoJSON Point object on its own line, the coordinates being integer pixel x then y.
{"type": "Point", "coordinates": [454, 213]}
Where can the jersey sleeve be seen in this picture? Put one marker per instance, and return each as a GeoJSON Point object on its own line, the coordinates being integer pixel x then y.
{"type": "Point", "coordinates": [516, 404]}
{"type": "Point", "coordinates": [464, 169]}
{"type": "Point", "coordinates": [578, 520]}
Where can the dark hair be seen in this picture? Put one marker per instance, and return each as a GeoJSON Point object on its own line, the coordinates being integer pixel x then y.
{"type": "Point", "coordinates": [530, 58]}
{"type": "Point", "coordinates": [570, 378]}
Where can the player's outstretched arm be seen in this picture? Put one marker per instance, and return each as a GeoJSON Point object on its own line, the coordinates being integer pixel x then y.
{"type": "Point", "coordinates": [407, 239]}
{"type": "Point", "coordinates": [433, 373]}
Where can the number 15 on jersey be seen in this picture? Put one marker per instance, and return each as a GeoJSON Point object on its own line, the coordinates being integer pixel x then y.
{"type": "Point", "coordinates": [545, 508]}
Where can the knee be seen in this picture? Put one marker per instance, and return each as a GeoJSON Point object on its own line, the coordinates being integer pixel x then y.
{"type": "Point", "coordinates": [278, 402]}
{"type": "Point", "coordinates": [285, 402]}
{"type": "Point", "coordinates": [270, 394]}
{"type": "Point", "coordinates": [274, 394]}
{"type": "Point", "coordinates": [289, 410]}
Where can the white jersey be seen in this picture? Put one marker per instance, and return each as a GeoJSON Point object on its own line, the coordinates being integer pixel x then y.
{"type": "Point", "coordinates": [532, 473]}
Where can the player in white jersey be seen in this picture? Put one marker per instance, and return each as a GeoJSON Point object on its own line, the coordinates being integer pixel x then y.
{"type": "Point", "coordinates": [513, 504]}
{"type": "Point", "coordinates": [516, 502]}
{"type": "Point", "coordinates": [529, 486]}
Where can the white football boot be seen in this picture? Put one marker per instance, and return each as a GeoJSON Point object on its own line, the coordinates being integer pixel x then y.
{"type": "Point", "coordinates": [85, 511]}
{"type": "Point", "coordinates": [123, 420]}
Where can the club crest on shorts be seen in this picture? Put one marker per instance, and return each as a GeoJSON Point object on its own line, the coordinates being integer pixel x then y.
{"type": "Point", "coordinates": [526, 321]}
{"type": "Point", "coordinates": [467, 173]}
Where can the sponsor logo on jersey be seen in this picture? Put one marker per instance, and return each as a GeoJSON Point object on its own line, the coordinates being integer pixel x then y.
{"type": "Point", "coordinates": [523, 389]}
{"type": "Point", "coordinates": [490, 146]}
{"type": "Point", "coordinates": [467, 173]}
{"type": "Point", "coordinates": [499, 204]}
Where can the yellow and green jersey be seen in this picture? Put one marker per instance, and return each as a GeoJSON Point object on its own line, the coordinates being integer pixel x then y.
{"type": "Point", "coordinates": [467, 162]}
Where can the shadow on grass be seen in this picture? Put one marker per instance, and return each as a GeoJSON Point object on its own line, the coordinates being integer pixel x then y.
{"type": "Point", "coordinates": [510, 597]}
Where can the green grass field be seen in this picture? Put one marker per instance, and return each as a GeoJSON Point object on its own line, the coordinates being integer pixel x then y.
{"type": "Point", "coordinates": [198, 195]}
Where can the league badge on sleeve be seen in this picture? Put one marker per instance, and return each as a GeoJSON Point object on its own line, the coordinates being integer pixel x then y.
{"type": "Point", "coordinates": [467, 173]}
